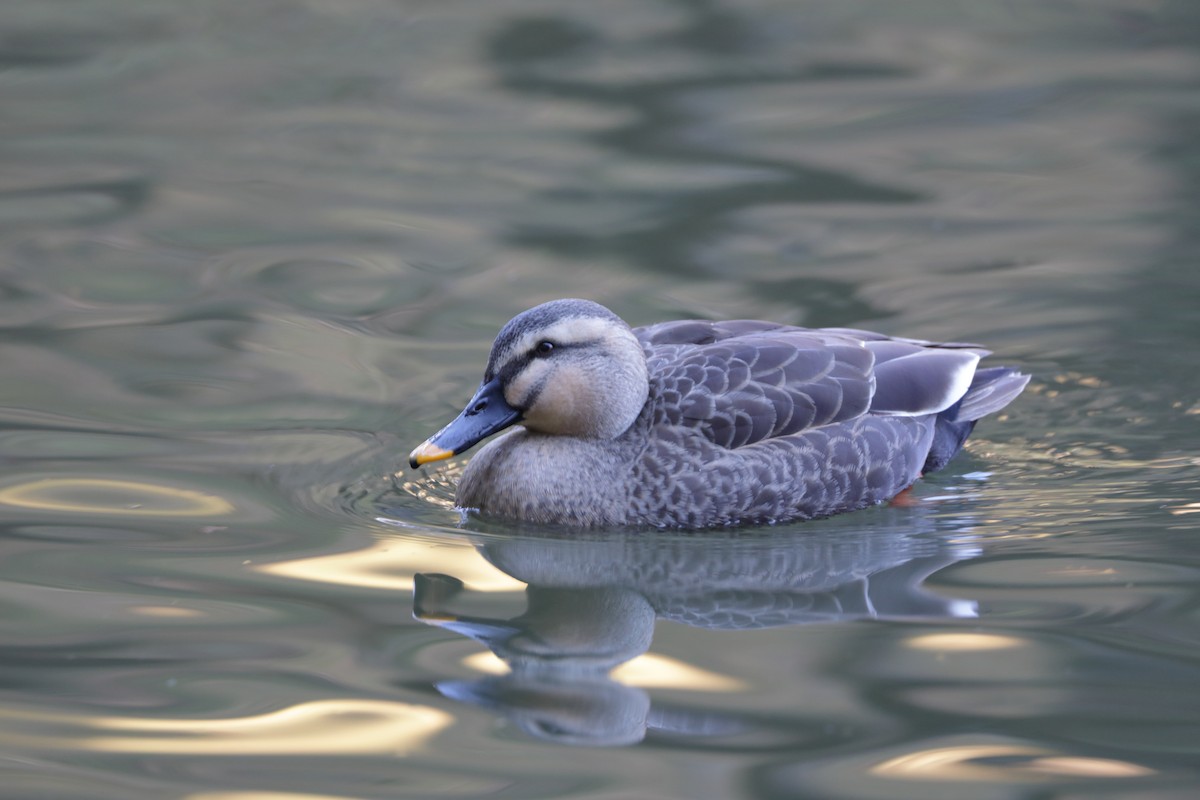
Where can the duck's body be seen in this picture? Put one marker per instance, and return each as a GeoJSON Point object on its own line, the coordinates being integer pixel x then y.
{"type": "Point", "coordinates": [695, 424]}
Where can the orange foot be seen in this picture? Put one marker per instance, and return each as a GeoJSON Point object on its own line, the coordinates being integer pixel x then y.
{"type": "Point", "coordinates": [905, 499]}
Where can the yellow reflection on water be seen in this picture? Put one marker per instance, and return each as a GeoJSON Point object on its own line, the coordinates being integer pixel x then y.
{"type": "Point", "coordinates": [652, 670]}
{"type": "Point", "coordinates": [391, 565]}
{"type": "Point", "coordinates": [647, 671]}
{"type": "Point", "coordinates": [971, 763]}
{"type": "Point", "coordinates": [967, 642]}
{"type": "Point", "coordinates": [322, 727]}
{"type": "Point", "coordinates": [257, 795]}
{"type": "Point", "coordinates": [486, 662]}
{"type": "Point", "coordinates": [112, 496]}
{"type": "Point", "coordinates": [174, 612]}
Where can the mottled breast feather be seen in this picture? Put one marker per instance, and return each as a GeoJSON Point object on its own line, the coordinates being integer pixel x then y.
{"type": "Point", "coordinates": [745, 381]}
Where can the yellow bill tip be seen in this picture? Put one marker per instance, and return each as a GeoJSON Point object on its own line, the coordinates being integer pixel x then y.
{"type": "Point", "coordinates": [427, 452]}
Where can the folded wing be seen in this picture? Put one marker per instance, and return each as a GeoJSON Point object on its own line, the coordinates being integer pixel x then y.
{"type": "Point", "coordinates": [743, 381]}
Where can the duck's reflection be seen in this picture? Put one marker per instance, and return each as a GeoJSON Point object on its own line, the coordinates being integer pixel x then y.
{"type": "Point", "coordinates": [592, 604]}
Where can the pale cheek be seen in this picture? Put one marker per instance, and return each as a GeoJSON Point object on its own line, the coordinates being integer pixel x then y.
{"type": "Point", "coordinates": [517, 392]}
{"type": "Point", "coordinates": [563, 406]}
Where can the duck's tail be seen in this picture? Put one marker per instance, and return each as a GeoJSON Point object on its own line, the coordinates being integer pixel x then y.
{"type": "Point", "coordinates": [991, 390]}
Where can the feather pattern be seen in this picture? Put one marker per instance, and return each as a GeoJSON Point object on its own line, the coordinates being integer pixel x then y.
{"type": "Point", "coordinates": [742, 382]}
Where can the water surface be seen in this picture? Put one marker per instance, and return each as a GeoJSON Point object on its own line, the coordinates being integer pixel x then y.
{"type": "Point", "coordinates": [252, 252]}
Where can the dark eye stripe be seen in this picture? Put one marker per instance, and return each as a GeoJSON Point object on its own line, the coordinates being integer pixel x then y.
{"type": "Point", "coordinates": [560, 346]}
{"type": "Point", "coordinates": [515, 364]}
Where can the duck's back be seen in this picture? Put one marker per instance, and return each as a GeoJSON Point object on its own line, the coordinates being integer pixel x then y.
{"type": "Point", "coordinates": [752, 422]}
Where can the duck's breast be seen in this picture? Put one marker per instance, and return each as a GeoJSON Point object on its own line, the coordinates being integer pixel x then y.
{"type": "Point", "coordinates": [546, 479]}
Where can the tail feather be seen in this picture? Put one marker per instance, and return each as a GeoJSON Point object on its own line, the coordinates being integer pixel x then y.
{"type": "Point", "coordinates": [991, 390]}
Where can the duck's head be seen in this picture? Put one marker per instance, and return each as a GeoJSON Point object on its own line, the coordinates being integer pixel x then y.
{"type": "Point", "coordinates": [567, 367]}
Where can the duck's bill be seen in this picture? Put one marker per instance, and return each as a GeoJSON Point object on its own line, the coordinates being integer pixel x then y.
{"type": "Point", "coordinates": [487, 413]}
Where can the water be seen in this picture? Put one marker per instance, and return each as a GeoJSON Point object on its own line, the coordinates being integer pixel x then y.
{"type": "Point", "coordinates": [253, 252]}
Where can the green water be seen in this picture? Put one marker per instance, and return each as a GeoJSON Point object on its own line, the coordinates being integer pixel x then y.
{"type": "Point", "coordinates": [251, 253]}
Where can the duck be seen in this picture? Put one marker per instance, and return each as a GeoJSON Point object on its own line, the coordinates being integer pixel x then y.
{"type": "Point", "coordinates": [694, 424]}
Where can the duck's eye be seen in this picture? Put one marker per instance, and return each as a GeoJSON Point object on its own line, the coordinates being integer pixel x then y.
{"type": "Point", "coordinates": [543, 348]}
